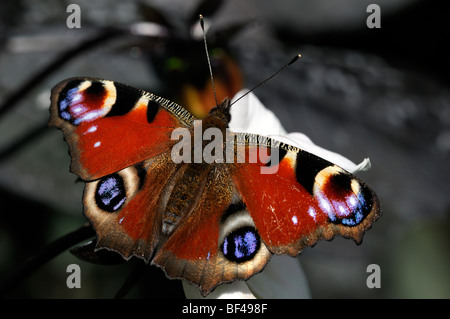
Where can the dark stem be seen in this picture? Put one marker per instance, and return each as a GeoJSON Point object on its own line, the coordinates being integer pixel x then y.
{"type": "Point", "coordinates": [26, 139]}
{"type": "Point", "coordinates": [52, 250]}
{"type": "Point", "coordinates": [28, 86]}
{"type": "Point", "coordinates": [34, 81]}
{"type": "Point", "coordinates": [132, 279]}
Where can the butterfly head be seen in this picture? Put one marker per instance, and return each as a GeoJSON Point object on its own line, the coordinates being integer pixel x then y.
{"type": "Point", "coordinates": [220, 115]}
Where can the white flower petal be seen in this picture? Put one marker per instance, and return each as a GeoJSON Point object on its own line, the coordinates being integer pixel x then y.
{"type": "Point", "coordinates": [235, 290]}
{"type": "Point", "coordinates": [302, 141]}
{"type": "Point", "coordinates": [365, 165]}
{"type": "Point", "coordinates": [283, 278]}
{"type": "Point", "coordinates": [249, 115]}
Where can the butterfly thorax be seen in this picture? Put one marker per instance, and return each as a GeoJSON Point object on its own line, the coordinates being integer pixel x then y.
{"type": "Point", "coordinates": [220, 115]}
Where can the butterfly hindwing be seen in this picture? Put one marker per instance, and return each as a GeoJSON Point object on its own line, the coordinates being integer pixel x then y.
{"type": "Point", "coordinates": [124, 209]}
{"type": "Point", "coordinates": [208, 240]}
{"type": "Point", "coordinates": [218, 242]}
{"type": "Point", "coordinates": [110, 126]}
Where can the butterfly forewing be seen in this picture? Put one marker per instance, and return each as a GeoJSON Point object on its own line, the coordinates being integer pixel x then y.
{"type": "Point", "coordinates": [110, 126]}
{"type": "Point", "coordinates": [302, 198]}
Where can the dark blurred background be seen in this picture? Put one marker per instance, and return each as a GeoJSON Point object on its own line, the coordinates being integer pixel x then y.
{"type": "Point", "coordinates": [381, 93]}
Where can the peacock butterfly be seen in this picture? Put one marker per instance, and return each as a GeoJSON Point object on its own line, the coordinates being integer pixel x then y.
{"type": "Point", "coordinates": [207, 222]}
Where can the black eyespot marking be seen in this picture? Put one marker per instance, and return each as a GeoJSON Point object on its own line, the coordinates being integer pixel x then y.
{"type": "Point", "coordinates": [96, 88]}
{"type": "Point", "coordinates": [350, 205]}
{"type": "Point", "coordinates": [141, 173]}
{"type": "Point", "coordinates": [126, 99]}
{"type": "Point", "coordinates": [361, 209]}
{"type": "Point", "coordinates": [366, 202]}
{"type": "Point", "coordinates": [233, 208]}
{"type": "Point", "coordinates": [110, 193]}
{"type": "Point", "coordinates": [276, 156]}
{"type": "Point", "coordinates": [152, 110]}
{"type": "Point", "coordinates": [341, 182]}
{"type": "Point", "coordinates": [241, 245]}
{"type": "Point", "coordinates": [307, 166]}
{"type": "Point", "coordinates": [82, 101]}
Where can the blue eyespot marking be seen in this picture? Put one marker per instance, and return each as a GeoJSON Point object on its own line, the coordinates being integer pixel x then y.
{"type": "Point", "coordinates": [350, 209]}
{"type": "Point", "coordinates": [110, 193]}
{"type": "Point", "coordinates": [77, 105]}
{"type": "Point", "coordinates": [241, 245]}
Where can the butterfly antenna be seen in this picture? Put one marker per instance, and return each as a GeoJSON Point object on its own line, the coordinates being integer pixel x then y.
{"type": "Point", "coordinates": [270, 77]}
{"type": "Point", "coordinates": [202, 24]}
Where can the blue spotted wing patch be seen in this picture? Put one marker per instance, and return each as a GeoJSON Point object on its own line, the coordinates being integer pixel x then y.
{"type": "Point", "coordinates": [241, 245]}
{"type": "Point", "coordinates": [110, 194]}
{"type": "Point", "coordinates": [85, 101]}
{"type": "Point", "coordinates": [345, 199]}
{"type": "Point", "coordinates": [110, 126]}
